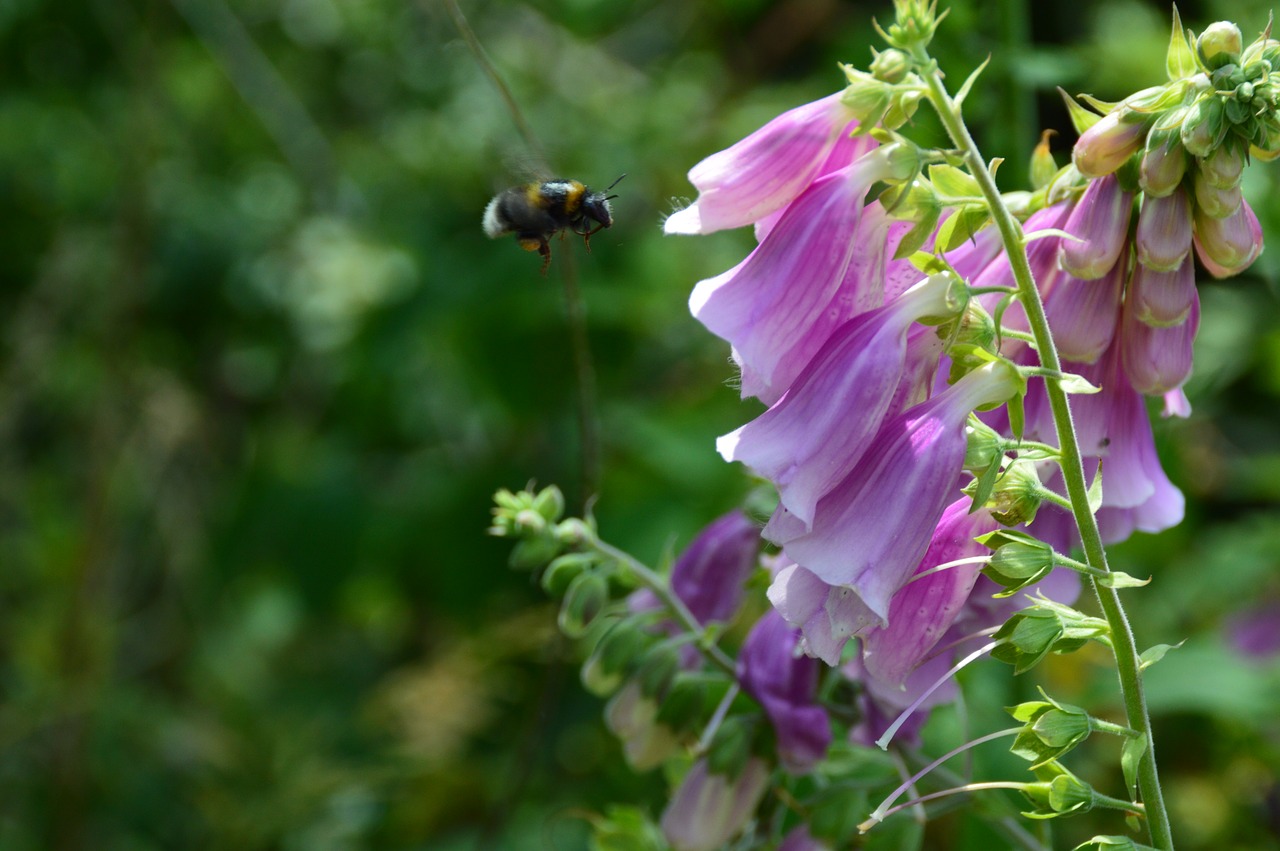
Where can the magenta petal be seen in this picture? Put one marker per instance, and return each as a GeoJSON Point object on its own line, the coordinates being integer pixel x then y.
{"type": "Point", "coordinates": [786, 685]}
{"type": "Point", "coordinates": [924, 609]}
{"type": "Point", "coordinates": [826, 615]}
{"type": "Point", "coordinates": [1164, 231]}
{"type": "Point", "coordinates": [1228, 246]}
{"type": "Point", "coordinates": [765, 171]}
{"type": "Point", "coordinates": [1158, 360]}
{"type": "Point", "coordinates": [1100, 220]}
{"type": "Point", "coordinates": [1162, 298]}
{"type": "Point", "coordinates": [1083, 314]}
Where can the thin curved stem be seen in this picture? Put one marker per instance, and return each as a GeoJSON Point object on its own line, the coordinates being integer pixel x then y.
{"type": "Point", "coordinates": [1071, 461]}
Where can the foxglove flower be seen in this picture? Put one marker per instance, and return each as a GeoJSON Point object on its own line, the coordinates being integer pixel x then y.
{"type": "Point", "coordinates": [1164, 232]}
{"type": "Point", "coordinates": [1109, 143]}
{"type": "Point", "coordinates": [1100, 221]}
{"type": "Point", "coordinates": [1157, 359]}
{"type": "Point", "coordinates": [709, 809]}
{"type": "Point", "coordinates": [1229, 245]}
{"type": "Point", "coordinates": [767, 170]}
{"type": "Point", "coordinates": [883, 702]}
{"type": "Point", "coordinates": [1082, 314]}
{"type": "Point", "coordinates": [786, 685]}
{"type": "Point", "coordinates": [925, 608]}
{"type": "Point", "coordinates": [871, 530]}
{"type": "Point", "coordinates": [1162, 298]}
{"type": "Point", "coordinates": [766, 305]}
{"type": "Point", "coordinates": [826, 615]}
{"type": "Point", "coordinates": [814, 436]}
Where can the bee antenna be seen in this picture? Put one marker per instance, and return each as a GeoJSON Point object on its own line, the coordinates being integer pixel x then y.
{"type": "Point", "coordinates": [611, 185]}
{"type": "Point", "coordinates": [610, 197]}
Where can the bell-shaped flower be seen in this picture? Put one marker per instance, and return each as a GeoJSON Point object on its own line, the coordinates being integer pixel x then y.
{"type": "Point", "coordinates": [1216, 201]}
{"type": "Point", "coordinates": [765, 171]}
{"type": "Point", "coordinates": [767, 305]}
{"type": "Point", "coordinates": [826, 615]}
{"type": "Point", "coordinates": [1164, 231]}
{"type": "Point", "coordinates": [1229, 245]}
{"type": "Point", "coordinates": [1162, 298]}
{"type": "Point", "coordinates": [1083, 314]}
{"type": "Point", "coordinates": [708, 576]}
{"type": "Point", "coordinates": [818, 431]}
{"type": "Point", "coordinates": [1163, 165]}
{"type": "Point", "coordinates": [871, 530]}
{"type": "Point", "coordinates": [1100, 221]}
{"type": "Point", "coordinates": [925, 608]}
{"type": "Point", "coordinates": [1157, 359]}
{"type": "Point", "coordinates": [786, 685]}
{"type": "Point", "coordinates": [1109, 143]}
{"type": "Point", "coordinates": [709, 809]}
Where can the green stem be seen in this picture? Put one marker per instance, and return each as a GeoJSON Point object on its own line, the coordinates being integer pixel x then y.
{"type": "Point", "coordinates": [674, 604]}
{"type": "Point", "coordinates": [1123, 645]}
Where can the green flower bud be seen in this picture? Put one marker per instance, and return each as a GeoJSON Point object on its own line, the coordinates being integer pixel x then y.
{"type": "Point", "coordinates": [684, 708]}
{"type": "Point", "coordinates": [1219, 45]}
{"type": "Point", "coordinates": [533, 553]}
{"type": "Point", "coordinates": [574, 532]}
{"type": "Point", "coordinates": [1205, 126]}
{"type": "Point", "coordinates": [1043, 166]}
{"type": "Point", "coordinates": [1051, 730]}
{"type": "Point", "coordinates": [658, 670]}
{"type": "Point", "coordinates": [983, 445]}
{"type": "Point", "coordinates": [563, 570]}
{"type": "Point", "coordinates": [585, 599]}
{"type": "Point", "coordinates": [1222, 168]}
{"type": "Point", "coordinates": [549, 503]}
{"type": "Point", "coordinates": [1016, 497]}
{"type": "Point", "coordinates": [1046, 627]}
{"type": "Point", "coordinates": [1214, 202]}
{"type": "Point", "coordinates": [613, 657]}
{"type": "Point", "coordinates": [890, 66]}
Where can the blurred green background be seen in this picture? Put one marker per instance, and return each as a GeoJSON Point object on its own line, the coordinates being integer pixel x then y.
{"type": "Point", "coordinates": [260, 372]}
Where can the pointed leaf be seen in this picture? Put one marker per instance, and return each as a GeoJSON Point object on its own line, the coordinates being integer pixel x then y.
{"type": "Point", "coordinates": [1154, 654]}
{"type": "Point", "coordinates": [1095, 490]}
{"type": "Point", "coordinates": [1130, 758]}
{"type": "Point", "coordinates": [1116, 579]}
{"type": "Point", "coordinates": [1072, 383]}
{"type": "Point", "coordinates": [952, 182]}
{"type": "Point", "coordinates": [1081, 118]}
{"type": "Point", "coordinates": [968, 83]}
{"type": "Point", "coordinates": [1180, 61]}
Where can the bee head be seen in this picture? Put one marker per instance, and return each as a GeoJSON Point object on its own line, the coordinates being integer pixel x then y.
{"type": "Point", "coordinates": [596, 206]}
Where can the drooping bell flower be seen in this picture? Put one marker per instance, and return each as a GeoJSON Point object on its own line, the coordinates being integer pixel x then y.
{"type": "Point", "coordinates": [1083, 314]}
{"type": "Point", "coordinates": [709, 809]}
{"type": "Point", "coordinates": [1100, 221]}
{"type": "Point", "coordinates": [819, 430]}
{"type": "Point", "coordinates": [1229, 245]}
{"type": "Point", "coordinates": [1157, 359]}
{"type": "Point", "coordinates": [1109, 143]}
{"type": "Point", "coordinates": [871, 530]}
{"type": "Point", "coordinates": [765, 171]}
{"type": "Point", "coordinates": [924, 609]}
{"type": "Point", "coordinates": [1162, 298]}
{"type": "Point", "coordinates": [826, 615]}
{"type": "Point", "coordinates": [786, 685]}
{"type": "Point", "coordinates": [1164, 231]}
{"type": "Point", "coordinates": [708, 576]}
{"type": "Point", "coordinates": [766, 305]}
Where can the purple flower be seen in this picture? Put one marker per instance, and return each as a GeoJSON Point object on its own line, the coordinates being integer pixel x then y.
{"type": "Point", "coordinates": [708, 576]}
{"type": "Point", "coordinates": [1157, 359]}
{"type": "Point", "coordinates": [707, 810]}
{"type": "Point", "coordinates": [1101, 221]}
{"type": "Point", "coordinates": [1163, 165]}
{"type": "Point", "coordinates": [1164, 231]}
{"type": "Point", "coordinates": [1083, 314]}
{"type": "Point", "coordinates": [884, 702]}
{"type": "Point", "coordinates": [786, 685]}
{"type": "Point", "coordinates": [871, 530]}
{"type": "Point", "coordinates": [818, 431]}
{"type": "Point", "coordinates": [826, 615]}
{"type": "Point", "coordinates": [1228, 246]}
{"type": "Point", "coordinates": [765, 171]}
{"type": "Point", "coordinates": [767, 305]}
{"type": "Point", "coordinates": [1162, 298]}
{"type": "Point", "coordinates": [1106, 145]}
{"type": "Point", "coordinates": [1255, 632]}
{"type": "Point", "coordinates": [924, 609]}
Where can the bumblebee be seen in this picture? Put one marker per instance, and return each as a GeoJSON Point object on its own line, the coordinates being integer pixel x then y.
{"type": "Point", "coordinates": [538, 211]}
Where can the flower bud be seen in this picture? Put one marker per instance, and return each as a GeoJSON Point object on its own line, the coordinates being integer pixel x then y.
{"type": "Point", "coordinates": [1229, 245]}
{"type": "Point", "coordinates": [585, 599]}
{"type": "Point", "coordinates": [1219, 44]}
{"type": "Point", "coordinates": [1158, 360]}
{"type": "Point", "coordinates": [563, 570]}
{"type": "Point", "coordinates": [1163, 165]}
{"type": "Point", "coordinates": [1083, 314]}
{"type": "Point", "coordinates": [1223, 167]}
{"type": "Point", "coordinates": [1051, 730]}
{"type": "Point", "coordinates": [1214, 201]}
{"type": "Point", "coordinates": [1205, 126]}
{"type": "Point", "coordinates": [1164, 231]}
{"type": "Point", "coordinates": [613, 657]}
{"type": "Point", "coordinates": [1162, 298]}
{"type": "Point", "coordinates": [983, 445]}
{"type": "Point", "coordinates": [1106, 146]}
{"type": "Point", "coordinates": [1019, 563]}
{"type": "Point", "coordinates": [549, 503]}
{"type": "Point", "coordinates": [890, 66]}
{"type": "Point", "coordinates": [1016, 497]}
{"type": "Point", "coordinates": [1100, 220]}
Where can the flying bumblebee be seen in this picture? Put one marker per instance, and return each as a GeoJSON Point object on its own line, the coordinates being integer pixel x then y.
{"type": "Point", "coordinates": [538, 211]}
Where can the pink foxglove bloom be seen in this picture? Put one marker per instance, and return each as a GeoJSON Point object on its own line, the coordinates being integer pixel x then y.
{"type": "Point", "coordinates": [1163, 165]}
{"type": "Point", "coordinates": [707, 810]}
{"type": "Point", "coordinates": [872, 529]}
{"type": "Point", "coordinates": [1083, 314]}
{"type": "Point", "coordinates": [767, 170]}
{"type": "Point", "coordinates": [1106, 145]}
{"type": "Point", "coordinates": [1164, 232]}
{"type": "Point", "coordinates": [1158, 359]}
{"type": "Point", "coordinates": [826, 615]}
{"type": "Point", "coordinates": [1228, 246]}
{"type": "Point", "coordinates": [925, 608]}
{"type": "Point", "coordinates": [1162, 298]}
{"type": "Point", "coordinates": [767, 304]}
{"type": "Point", "coordinates": [708, 576]}
{"type": "Point", "coordinates": [814, 436]}
{"type": "Point", "coordinates": [883, 702]}
{"type": "Point", "coordinates": [786, 685]}
{"type": "Point", "coordinates": [1100, 221]}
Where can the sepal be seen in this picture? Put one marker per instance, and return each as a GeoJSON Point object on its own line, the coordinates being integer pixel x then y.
{"type": "Point", "coordinates": [1046, 627]}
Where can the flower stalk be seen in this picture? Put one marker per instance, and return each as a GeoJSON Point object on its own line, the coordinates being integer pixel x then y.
{"type": "Point", "coordinates": [1123, 644]}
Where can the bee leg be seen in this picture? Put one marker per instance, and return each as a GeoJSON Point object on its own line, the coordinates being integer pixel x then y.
{"type": "Point", "coordinates": [586, 235]}
{"type": "Point", "coordinates": [545, 251]}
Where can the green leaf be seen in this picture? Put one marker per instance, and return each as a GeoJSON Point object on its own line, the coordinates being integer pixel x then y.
{"type": "Point", "coordinates": [1095, 490]}
{"type": "Point", "coordinates": [1117, 579]}
{"type": "Point", "coordinates": [917, 236]}
{"type": "Point", "coordinates": [1180, 61]}
{"type": "Point", "coordinates": [953, 183]}
{"type": "Point", "coordinates": [1077, 384]}
{"type": "Point", "coordinates": [1130, 759]}
{"type": "Point", "coordinates": [1154, 654]}
{"type": "Point", "coordinates": [968, 83]}
{"type": "Point", "coordinates": [1081, 118]}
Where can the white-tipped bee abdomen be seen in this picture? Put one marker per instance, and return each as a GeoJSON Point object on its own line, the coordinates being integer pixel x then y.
{"type": "Point", "coordinates": [494, 226]}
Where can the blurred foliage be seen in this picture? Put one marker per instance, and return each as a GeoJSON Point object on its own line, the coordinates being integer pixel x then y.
{"type": "Point", "coordinates": [261, 372]}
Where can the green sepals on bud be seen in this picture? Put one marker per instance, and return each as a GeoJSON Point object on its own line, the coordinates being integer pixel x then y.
{"type": "Point", "coordinates": [890, 66]}
{"type": "Point", "coordinates": [914, 23]}
{"type": "Point", "coordinates": [1059, 793]}
{"type": "Point", "coordinates": [1046, 627]}
{"type": "Point", "coordinates": [1222, 168]}
{"type": "Point", "coordinates": [1112, 843]}
{"type": "Point", "coordinates": [563, 570]}
{"type": "Point", "coordinates": [533, 552]}
{"type": "Point", "coordinates": [1204, 127]}
{"type": "Point", "coordinates": [1180, 60]}
{"type": "Point", "coordinates": [658, 669]}
{"type": "Point", "coordinates": [585, 599]}
{"type": "Point", "coordinates": [532, 518]}
{"type": "Point", "coordinates": [876, 102]}
{"type": "Point", "coordinates": [1019, 560]}
{"type": "Point", "coordinates": [984, 446]}
{"type": "Point", "coordinates": [1050, 729]}
{"type": "Point", "coordinates": [1220, 44]}
{"type": "Point", "coordinates": [1043, 166]}
{"type": "Point", "coordinates": [1017, 495]}
{"type": "Point", "coordinates": [615, 656]}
